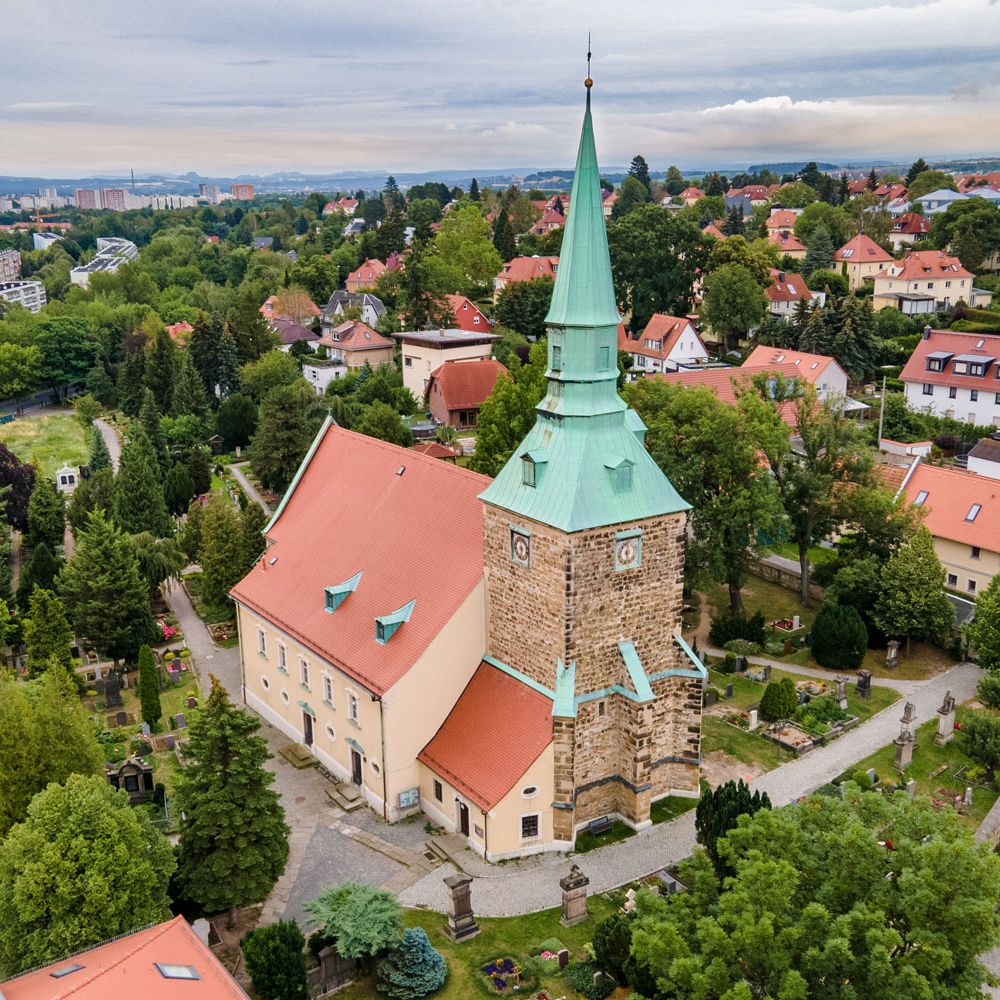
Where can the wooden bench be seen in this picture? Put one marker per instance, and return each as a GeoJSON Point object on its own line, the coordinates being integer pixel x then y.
{"type": "Point", "coordinates": [598, 826]}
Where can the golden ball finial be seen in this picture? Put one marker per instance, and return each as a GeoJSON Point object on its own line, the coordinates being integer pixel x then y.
{"type": "Point", "coordinates": [588, 83]}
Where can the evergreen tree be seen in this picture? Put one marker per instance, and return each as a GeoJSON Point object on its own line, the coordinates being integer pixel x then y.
{"type": "Point", "coordinates": [363, 919]}
{"type": "Point", "coordinates": [839, 637]}
{"type": "Point", "coordinates": [149, 687]}
{"type": "Point", "coordinates": [190, 538]}
{"type": "Point", "coordinates": [90, 865]}
{"type": "Point", "coordinates": [47, 633]}
{"type": "Point", "coordinates": [503, 236]}
{"type": "Point", "coordinates": [819, 251]}
{"type": "Point", "coordinates": [137, 502]}
{"type": "Point", "coordinates": [843, 190]}
{"type": "Point", "coordinates": [916, 168]}
{"type": "Point", "coordinates": [149, 417]}
{"type": "Point", "coordinates": [718, 812]}
{"type": "Point", "coordinates": [233, 836]}
{"type": "Point", "coordinates": [200, 470]}
{"type": "Point", "coordinates": [237, 420]}
{"type": "Point", "coordinates": [178, 489]}
{"type": "Point", "coordinates": [40, 570]}
{"type": "Point", "coordinates": [66, 737]}
{"type": "Point", "coordinates": [817, 337]}
{"type": "Point", "coordinates": [855, 343]}
{"type": "Point", "coordinates": [105, 596]}
{"type": "Point", "coordinates": [131, 382]}
{"type": "Point", "coordinates": [100, 457]}
{"type": "Point", "coordinates": [19, 753]}
{"type": "Point", "coordinates": [253, 521]}
{"type": "Point", "coordinates": [474, 189]}
{"type": "Point", "coordinates": [872, 180]}
{"type": "Point", "coordinates": [639, 169]}
{"type": "Point", "coordinates": [275, 962]}
{"type": "Point", "coordinates": [413, 969]}
{"type": "Point", "coordinates": [228, 370]}
{"type": "Point", "coordinates": [288, 421]}
{"type": "Point", "coordinates": [160, 370]}
{"type": "Point", "coordinates": [203, 348]}
{"type": "Point", "coordinates": [779, 700]}
{"type": "Point", "coordinates": [188, 395]}
{"type": "Point", "coordinates": [984, 629]}
{"type": "Point", "coordinates": [222, 551]}
{"type": "Point", "coordinates": [734, 224]}
{"type": "Point", "coordinates": [46, 515]}
{"type": "Point", "coordinates": [93, 493]}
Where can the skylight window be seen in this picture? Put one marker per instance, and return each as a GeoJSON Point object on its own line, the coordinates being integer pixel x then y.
{"type": "Point", "coordinates": [169, 971]}
{"type": "Point", "coordinates": [973, 512]}
{"type": "Point", "coordinates": [65, 970]}
{"type": "Point", "coordinates": [921, 499]}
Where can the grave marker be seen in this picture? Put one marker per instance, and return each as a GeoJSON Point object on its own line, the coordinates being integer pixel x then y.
{"type": "Point", "coordinates": [574, 897]}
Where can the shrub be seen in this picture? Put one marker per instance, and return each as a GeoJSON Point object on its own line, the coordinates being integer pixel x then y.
{"type": "Point", "coordinates": [580, 975]}
{"type": "Point", "coordinates": [275, 961]}
{"type": "Point", "coordinates": [728, 665]}
{"type": "Point", "coordinates": [839, 637]}
{"type": "Point", "coordinates": [612, 944]}
{"type": "Point", "coordinates": [862, 780]}
{"type": "Point", "coordinates": [549, 944]}
{"type": "Point", "coordinates": [743, 647]}
{"type": "Point", "coordinates": [774, 648]}
{"type": "Point", "coordinates": [988, 690]}
{"type": "Point", "coordinates": [732, 625]}
{"type": "Point", "coordinates": [779, 700]}
{"type": "Point", "coordinates": [413, 969]}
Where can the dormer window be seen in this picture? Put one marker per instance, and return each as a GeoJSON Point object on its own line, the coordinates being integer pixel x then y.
{"type": "Point", "coordinates": [532, 467]}
{"type": "Point", "coordinates": [336, 595]}
{"type": "Point", "coordinates": [620, 469]}
{"type": "Point", "coordinates": [386, 625]}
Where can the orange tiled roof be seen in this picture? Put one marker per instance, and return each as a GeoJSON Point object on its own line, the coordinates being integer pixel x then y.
{"type": "Point", "coordinates": [353, 335]}
{"type": "Point", "coordinates": [367, 274]}
{"type": "Point", "coordinates": [267, 309]}
{"type": "Point", "coordinates": [713, 230]}
{"type": "Point", "coordinates": [506, 723]}
{"type": "Point", "coordinates": [911, 223]}
{"type": "Point", "coordinates": [862, 250]}
{"type": "Point", "coordinates": [665, 329]}
{"type": "Point", "coordinates": [787, 242]}
{"type": "Point", "coordinates": [528, 268]}
{"type": "Point", "coordinates": [125, 968]}
{"type": "Point", "coordinates": [692, 192]}
{"type": "Point", "coordinates": [953, 342]}
{"type": "Point", "coordinates": [951, 494]}
{"type": "Point", "coordinates": [781, 218]}
{"type": "Point", "coordinates": [344, 516]}
{"type": "Point", "coordinates": [919, 265]}
{"type": "Point", "coordinates": [435, 449]}
{"type": "Point", "coordinates": [787, 287]}
{"type": "Point", "coordinates": [465, 312]}
{"type": "Point", "coordinates": [809, 366]}
{"type": "Point", "coordinates": [464, 385]}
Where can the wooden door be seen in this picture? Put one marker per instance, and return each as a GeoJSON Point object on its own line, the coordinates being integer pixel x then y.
{"type": "Point", "coordinates": [356, 767]}
{"type": "Point", "coordinates": [463, 819]}
{"type": "Point", "coordinates": [307, 729]}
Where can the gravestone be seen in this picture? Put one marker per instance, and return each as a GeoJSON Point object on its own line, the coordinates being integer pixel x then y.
{"type": "Point", "coordinates": [121, 718]}
{"type": "Point", "coordinates": [192, 702]}
{"type": "Point", "coordinates": [864, 685]}
{"type": "Point", "coordinates": [563, 955]}
{"type": "Point", "coordinates": [710, 698]}
{"type": "Point", "coordinates": [629, 904]}
{"type": "Point", "coordinates": [729, 690]}
{"type": "Point", "coordinates": [144, 729]}
{"type": "Point", "coordinates": [741, 664]}
{"type": "Point", "coordinates": [803, 697]}
{"type": "Point", "coordinates": [892, 654]}
{"type": "Point", "coordinates": [462, 924]}
{"type": "Point", "coordinates": [599, 982]}
{"type": "Point", "coordinates": [842, 693]}
{"type": "Point", "coordinates": [911, 787]}
{"type": "Point", "coordinates": [968, 796]}
{"type": "Point", "coordinates": [905, 740]}
{"type": "Point", "coordinates": [170, 741]}
{"type": "Point", "coordinates": [787, 647]}
{"type": "Point", "coordinates": [796, 623]}
{"type": "Point", "coordinates": [767, 672]}
{"type": "Point", "coordinates": [180, 720]}
{"type": "Point", "coordinates": [113, 691]}
{"type": "Point", "coordinates": [946, 721]}
{"type": "Point", "coordinates": [872, 775]}
{"type": "Point", "coordinates": [752, 719]}
{"type": "Point", "coordinates": [574, 897]}
{"type": "Point", "coordinates": [177, 664]}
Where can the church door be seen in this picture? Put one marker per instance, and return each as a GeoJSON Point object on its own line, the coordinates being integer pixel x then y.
{"type": "Point", "coordinates": [463, 819]}
{"type": "Point", "coordinates": [356, 767]}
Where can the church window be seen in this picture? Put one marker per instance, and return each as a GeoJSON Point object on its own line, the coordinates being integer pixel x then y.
{"type": "Point", "coordinates": [529, 827]}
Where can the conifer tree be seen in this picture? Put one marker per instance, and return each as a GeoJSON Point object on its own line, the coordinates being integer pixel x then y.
{"type": "Point", "coordinates": [718, 811]}
{"type": "Point", "coordinates": [639, 169]}
{"type": "Point", "coordinates": [149, 417]}
{"type": "Point", "coordinates": [233, 836]}
{"type": "Point", "coordinates": [778, 700]}
{"type": "Point", "coordinates": [253, 521]}
{"type": "Point", "coordinates": [817, 337]}
{"type": "Point", "coordinates": [104, 592]}
{"type": "Point", "coordinates": [47, 633]}
{"type": "Point", "coordinates": [275, 962]}
{"type": "Point", "coordinates": [984, 629]}
{"type": "Point", "coordinates": [474, 189]}
{"type": "Point", "coordinates": [66, 737]}
{"type": "Point", "coordinates": [228, 371]}
{"type": "Point", "coordinates": [46, 515]}
{"type": "Point", "coordinates": [160, 370]}
{"type": "Point", "coordinates": [855, 343]}
{"type": "Point", "coordinates": [223, 552]}
{"type": "Point", "coordinates": [188, 395]}
{"type": "Point", "coordinates": [137, 502]}
{"type": "Point", "coordinates": [200, 470]}
{"type": "Point", "coordinates": [916, 168]}
{"type": "Point", "coordinates": [413, 969]}
{"type": "Point", "coordinates": [203, 348]}
{"type": "Point", "coordinates": [178, 489]}
{"type": "Point", "coordinates": [839, 637]}
{"type": "Point", "coordinates": [503, 237]}
{"type": "Point", "coordinates": [149, 687]}
{"type": "Point", "coordinates": [734, 224]}
{"type": "Point", "coordinates": [19, 750]}
{"type": "Point", "coordinates": [819, 252]}
{"type": "Point", "coordinates": [40, 570]}
{"type": "Point", "coordinates": [100, 457]}
{"type": "Point", "coordinates": [872, 180]}
{"type": "Point", "coordinates": [131, 383]}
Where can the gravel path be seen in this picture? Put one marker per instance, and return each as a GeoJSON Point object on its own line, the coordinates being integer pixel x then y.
{"type": "Point", "coordinates": [249, 488]}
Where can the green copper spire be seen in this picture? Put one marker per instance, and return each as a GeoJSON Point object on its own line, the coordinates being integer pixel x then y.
{"type": "Point", "coordinates": [583, 465]}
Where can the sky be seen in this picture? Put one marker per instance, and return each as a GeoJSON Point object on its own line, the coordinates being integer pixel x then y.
{"type": "Point", "coordinates": [224, 87]}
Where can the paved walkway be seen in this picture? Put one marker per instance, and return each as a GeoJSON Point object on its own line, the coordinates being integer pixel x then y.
{"type": "Point", "coordinates": [504, 893]}
{"type": "Point", "coordinates": [251, 491]}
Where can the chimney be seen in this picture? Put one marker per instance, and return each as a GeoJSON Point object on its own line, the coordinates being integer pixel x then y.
{"type": "Point", "coordinates": [927, 332]}
{"type": "Point", "coordinates": [781, 276]}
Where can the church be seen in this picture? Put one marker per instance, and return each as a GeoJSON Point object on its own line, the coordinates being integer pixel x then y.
{"type": "Point", "coordinates": [504, 655]}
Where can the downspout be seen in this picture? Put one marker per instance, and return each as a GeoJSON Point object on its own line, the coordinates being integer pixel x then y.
{"type": "Point", "coordinates": [486, 836]}
{"type": "Point", "coordinates": [239, 639]}
{"type": "Point", "coordinates": [385, 787]}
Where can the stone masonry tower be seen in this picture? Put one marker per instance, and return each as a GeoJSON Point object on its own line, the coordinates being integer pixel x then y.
{"type": "Point", "coordinates": [584, 551]}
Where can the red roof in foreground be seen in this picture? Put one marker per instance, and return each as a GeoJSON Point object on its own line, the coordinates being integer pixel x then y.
{"type": "Point", "coordinates": [985, 347]}
{"type": "Point", "coordinates": [496, 731]}
{"type": "Point", "coordinates": [951, 494]}
{"type": "Point", "coordinates": [862, 250]}
{"type": "Point", "coordinates": [416, 535]}
{"type": "Point", "coordinates": [125, 969]}
{"type": "Point", "coordinates": [465, 384]}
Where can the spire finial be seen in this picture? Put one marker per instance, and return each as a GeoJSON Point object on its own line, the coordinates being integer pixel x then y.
{"type": "Point", "coordinates": [588, 83]}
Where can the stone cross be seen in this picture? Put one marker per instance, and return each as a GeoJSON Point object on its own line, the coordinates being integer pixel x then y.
{"type": "Point", "coordinates": [574, 897]}
{"type": "Point", "coordinates": [462, 925]}
{"type": "Point", "coordinates": [946, 721]}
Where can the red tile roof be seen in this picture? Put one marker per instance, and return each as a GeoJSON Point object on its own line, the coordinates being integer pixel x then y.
{"type": "Point", "coordinates": [366, 275]}
{"type": "Point", "coordinates": [464, 385]}
{"type": "Point", "coordinates": [950, 496]}
{"type": "Point", "coordinates": [528, 268]}
{"type": "Point", "coordinates": [787, 287]}
{"type": "Point", "coordinates": [551, 219]}
{"type": "Point", "coordinates": [466, 313]}
{"type": "Point", "coordinates": [180, 331]}
{"type": "Point", "coordinates": [911, 223]}
{"type": "Point", "coordinates": [781, 218]}
{"type": "Point", "coordinates": [713, 230]}
{"type": "Point", "coordinates": [353, 335]}
{"type": "Point", "coordinates": [124, 969]}
{"type": "Point", "coordinates": [858, 186]}
{"type": "Point", "coordinates": [919, 265]}
{"type": "Point", "coordinates": [862, 250]}
{"type": "Point", "coordinates": [496, 731]}
{"type": "Point", "coordinates": [691, 192]}
{"type": "Point", "coordinates": [417, 535]}
{"type": "Point", "coordinates": [809, 366]}
{"type": "Point", "coordinates": [435, 449]}
{"type": "Point", "coordinates": [787, 243]}
{"type": "Point", "coordinates": [953, 342]}
{"type": "Point", "coordinates": [667, 330]}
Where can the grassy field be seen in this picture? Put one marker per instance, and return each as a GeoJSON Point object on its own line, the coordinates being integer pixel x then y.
{"type": "Point", "coordinates": [751, 748]}
{"type": "Point", "coordinates": [771, 599]}
{"type": "Point", "coordinates": [817, 556]}
{"type": "Point", "coordinates": [517, 937]}
{"type": "Point", "coordinates": [52, 441]}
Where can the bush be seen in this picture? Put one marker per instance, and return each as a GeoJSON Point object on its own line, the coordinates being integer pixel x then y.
{"type": "Point", "coordinates": [862, 780]}
{"type": "Point", "coordinates": [552, 944]}
{"type": "Point", "coordinates": [774, 648]}
{"type": "Point", "coordinates": [839, 637]}
{"type": "Point", "coordinates": [612, 944]}
{"type": "Point", "coordinates": [413, 969]}
{"type": "Point", "coordinates": [732, 625]}
{"type": "Point", "coordinates": [779, 700]}
{"type": "Point", "coordinates": [988, 690]}
{"type": "Point", "coordinates": [744, 647]}
{"type": "Point", "coordinates": [728, 665]}
{"type": "Point", "coordinates": [275, 961]}
{"type": "Point", "coordinates": [580, 975]}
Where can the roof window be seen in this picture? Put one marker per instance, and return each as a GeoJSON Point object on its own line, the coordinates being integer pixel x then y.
{"type": "Point", "coordinates": [169, 971]}
{"type": "Point", "coordinates": [973, 512]}
{"type": "Point", "coordinates": [337, 594]}
{"type": "Point", "coordinates": [921, 499]}
{"type": "Point", "coordinates": [65, 970]}
{"type": "Point", "coordinates": [386, 625]}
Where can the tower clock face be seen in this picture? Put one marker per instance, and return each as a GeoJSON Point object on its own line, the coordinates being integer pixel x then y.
{"type": "Point", "coordinates": [627, 552]}
{"type": "Point", "coordinates": [520, 547]}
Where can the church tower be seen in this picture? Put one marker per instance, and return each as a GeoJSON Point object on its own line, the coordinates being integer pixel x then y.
{"type": "Point", "coordinates": [584, 551]}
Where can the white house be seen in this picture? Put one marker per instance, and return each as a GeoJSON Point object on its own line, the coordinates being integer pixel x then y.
{"type": "Point", "coordinates": [667, 344]}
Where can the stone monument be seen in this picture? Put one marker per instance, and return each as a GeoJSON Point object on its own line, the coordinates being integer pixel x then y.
{"type": "Point", "coordinates": [892, 654]}
{"type": "Point", "coordinates": [574, 897]}
{"type": "Point", "coordinates": [905, 740]}
{"type": "Point", "coordinates": [752, 719]}
{"type": "Point", "coordinates": [462, 925]}
{"type": "Point", "coordinates": [841, 693]}
{"type": "Point", "coordinates": [946, 721]}
{"type": "Point", "coordinates": [864, 686]}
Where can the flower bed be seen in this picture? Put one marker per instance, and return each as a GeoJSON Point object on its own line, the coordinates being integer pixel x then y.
{"type": "Point", "coordinates": [502, 974]}
{"type": "Point", "coordinates": [740, 720]}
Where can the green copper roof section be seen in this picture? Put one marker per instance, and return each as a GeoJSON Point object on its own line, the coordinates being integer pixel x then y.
{"type": "Point", "coordinates": [564, 703]}
{"type": "Point", "coordinates": [584, 294]}
{"type": "Point", "coordinates": [636, 673]}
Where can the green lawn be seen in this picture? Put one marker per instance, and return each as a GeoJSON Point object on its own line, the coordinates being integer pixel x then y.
{"type": "Point", "coordinates": [52, 441]}
{"type": "Point", "coordinates": [771, 599]}
{"type": "Point", "coordinates": [517, 937]}
{"type": "Point", "coordinates": [928, 758]}
{"type": "Point", "coordinates": [664, 810]}
{"type": "Point", "coordinates": [751, 748]}
{"type": "Point", "coordinates": [587, 841]}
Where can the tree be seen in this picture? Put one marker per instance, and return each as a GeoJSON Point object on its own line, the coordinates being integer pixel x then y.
{"type": "Point", "coordinates": [503, 237]}
{"type": "Point", "coordinates": [462, 258]}
{"type": "Point", "coordinates": [857, 585]}
{"type": "Point", "coordinates": [104, 593]}
{"type": "Point", "coordinates": [839, 637]}
{"type": "Point", "coordinates": [149, 418]}
{"type": "Point", "coordinates": [913, 603]}
{"type": "Point", "coordinates": [100, 457]}
{"type": "Point", "coordinates": [364, 920]}
{"type": "Point", "coordinates": [474, 189]}
{"type": "Point", "coordinates": [855, 343]}
{"type": "Point", "coordinates": [413, 969]}
{"type": "Point", "coordinates": [20, 370]}
{"type": "Point", "coordinates": [17, 481]}
{"type": "Point", "coordinates": [275, 961]}
{"type": "Point", "coordinates": [236, 420]}
{"type": "Point", "coordinates": [734, 302]}
{"type": "Point", "coordinates": [674, 181]}
{"type": "Point", "coordinates": [149, 688]}
{"type": "Point", "coordinates": [288, 420]}
{"type": "Point", "coordinates": [47, 633]}
{"type": "Point", "coordinates": [655, 259]}
{"type": "Point", "coordinates": [253, 521]}
{"type": "Point", "coordinates": [734, 224]}
{"type": "Point", "coordinates": [980, 739]}
{"type": "Point", "coordinates": [988, 690]}
{"type": "Point", "coordinates": [381, 421]}
{"type": "Point", "coordinates": [19, 753]}
{"type": "Point", "coordinates": [969, 225]}
{"type": "Point", "coordinates": [160, 559]}
{"type": "Point", "coordinates": [68, 348]}
{"type": "Point", "coordinates": [228, 361]}
{"type": "Point", "coordinates": [39, 570]}
{"type": "Point", "coordinates": [639, 169]}
{"type": "Point", "coordinates": [160, 368]}
{"type": "Point", "coordinates": [204, 351]}
{"type": "Point", "coordinates": [880, 522]}
{"type": "Point", "coordinates": [222, 551]}
{"type": "Point", "coordinates": [523, 306]}
{"type": "Point", "coordinates": [130, 382]}
{"type": "Point", "coordinates": [318, 275]}
{"type": "Point", "coordinates": [612, 944]}
{"type": "Point", "coordinates": [137, 502]}
{"type": "Point", "coordinates": [779, 700]}
{"type": "Point", "coordinates": [916, 168]}
{"type": "Point", "coordinates": [46, 515]}
{"type": "Point", "coordinates": [819, 253]}
{"type": "Point", "coordinates": [178, 489]}
{"type": "Point", "coordinates": [757, 257]}
{"type": "Point", "coordinates": [188, 395]}
{"type": "Point", "coordinates": [631, 195]}
{"type": "Point", "coordinates": [58, 892]}
{"type": "Point", "coordinates": [233, 836]}
{"type": "Point", "coordinates": [984, 629]}
{"type": "Point", "coordinates": [927, 181]}
{"type": "Point", "coordinates": [718, 812]}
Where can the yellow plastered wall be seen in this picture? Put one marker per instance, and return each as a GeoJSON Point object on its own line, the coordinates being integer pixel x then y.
{"type": "Point", "coordinates": [957, 560]}
{"type": "Point", "coordinates": [419, 360]}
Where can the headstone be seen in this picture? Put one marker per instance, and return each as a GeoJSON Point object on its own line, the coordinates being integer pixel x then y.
{"type": "Point", "coordinates": [629, 904]}
{"type": "Point", "coordinates": [905, 740]}
{"type": "Point", "coordinates": [741, 664]}
{"type": "Point", "coordinates": [892, 654]}
{"type": "Point", "coordinates": [864, 685]}
{"type": "Point", "coordinates": [599, 982]}
{"type": "Point", "coordinates": [796, 622]}
{"type": "Point", "coordinates": [787, 647]}
{"type": "Point", "coordinates": [842, 693]}
{"type": "Point", "coordinates": [170, 741]}
{"type": "Point", "coordinates": [144, 729]}
{"type": "Point", "coordinates": [462, 924]}
{"type": "Point", "coordinates": [752, 719]}
{"type": "Point", "coordinates": [946, 721]}
{"type": "Point", "coordinates": [574, 897]}
{"type": "Point", "coordinates": [563, 955]}
{"type": "Point", "coordinates": [121, 718]}
{"type": "Point", "coordinates": [729, 690]}
{"type": "Point", "coordinates": [192, 702]}
{"type": "Point", "coordinates": [909, 714]}
{"type": "Point", "coordinates": [872, 775]}
{"type": "Point", "coordinates": [803, 697]}
{"type": "Point", "coordinates": [968, 795]}
{"type": "Point", "coordinates": [180, 720]}
{"type": "Point", "coordinates": [113, 691]}
{"type": "Point", "coordinates": [710, 698]}
{"type": "Point", "coordinates": [177, 665]}
{"type": "Point", "coordinates": [767, 672]}
{"type": "Point", "coordinates": [911, 787]}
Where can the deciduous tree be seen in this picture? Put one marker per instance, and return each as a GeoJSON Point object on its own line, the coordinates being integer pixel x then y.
{"type": "Point", "coordinates": [984, 629]}
{"type": "Point", "coordinates": [288, 420]}
{"type": "Point", "coordinates": [734, 302]}
{"type": "Point", "coordinates": [523, 306]}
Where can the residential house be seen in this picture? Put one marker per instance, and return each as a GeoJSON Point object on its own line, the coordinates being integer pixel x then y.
{"type": "Point", "coordinates": [785, 292]}
{"type": "Point", "coordinates": [457, 657]}
{"type": "Point", "coordinates": [821, 372]}
{"type": "Point", "coordinates": [346, 205]}
{"type": "Point", "coordinates": [891, 191]}
{"type": "Point", "coordinates": [181, 332]}
{"type": "Point", "coordinates": [290, 332]}
{"type": "Point", "coordinates": [468, 316]}
{"type": "Point", "coordinates": [952, 374]}
{"type": "Point", "coordinates": [355, 344]}
{"type": "Point", "coordinates": [690, 195]}
{"type": "Point", "coordinates": [320, 372]}
{"type": "Point", "coordinates": [524, 269]}
{"type": "Point", "coordinates": [788, 245]}
{"type": "Point", "coordinates": [666, 344]}
{"type": "Point", "coordinates": [435, 450]}
{"type": "Point", "coordinates": [971, 182]}
{"type": "Point", "coordinates": [550, 219]}
{"type": "Point", "coordinates": [263, 242]}
{"type": "Point", "coordinates": [747, 198]}
{"type": "Point", "coordinates": [857, 187]}
{"type": "Point", "coordinates": [162, 962]}
{"type": "Point", "coordinates": [938, 201]}
{"type": "Point", "coordinates": [713, 230]}
{"type": "Point", "coordinates": [608, 201]}
{"type": "Point", "coordinates": [925, 281]}
{"type": "Point", "coordinates": [861, 259]}
{"type": "Point", "coordinates": [907, 229]}
{"type": "Point", "coordinates": [300, 304]}
{"type": "Point", "coordinates": [424, 351]}
{"type": "Point", "coordinates": [369, 306]}
{"type": "Point", "coordinates": [962, 512]}
{"type": "Point", "coordinates": [984, 459]}
{"type": "Point", "coordinates": [457, 390]}
{"type": "Point", "coordinates": [781, 221]}
{"type": "Point", "coordinates": [365, 276]}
